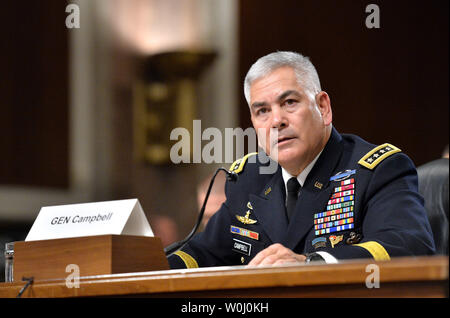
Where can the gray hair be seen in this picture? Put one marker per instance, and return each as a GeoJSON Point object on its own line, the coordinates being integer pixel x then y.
{"type": "Point", "coordinates": [306, 72]}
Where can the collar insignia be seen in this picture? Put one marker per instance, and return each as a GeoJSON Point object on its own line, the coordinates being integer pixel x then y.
{"type": "Point", "coordinates": [318, 185]}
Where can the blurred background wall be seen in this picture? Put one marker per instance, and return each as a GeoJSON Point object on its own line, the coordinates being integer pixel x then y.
{"type": "Point", "coordinates": [67, 98]}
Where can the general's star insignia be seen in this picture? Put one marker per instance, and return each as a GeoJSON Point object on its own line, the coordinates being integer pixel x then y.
{"type": "Point", "coordinates": [246, 219]}
{"type": "Point", "coordinates": [377, 155]}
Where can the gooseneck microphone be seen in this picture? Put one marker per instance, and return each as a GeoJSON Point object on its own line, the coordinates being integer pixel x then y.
{"type": "Point", "coordinates": [231, 176]}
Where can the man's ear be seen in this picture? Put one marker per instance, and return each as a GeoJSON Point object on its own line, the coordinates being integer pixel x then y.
{"type": "Point", "coordinates": [324, 105]}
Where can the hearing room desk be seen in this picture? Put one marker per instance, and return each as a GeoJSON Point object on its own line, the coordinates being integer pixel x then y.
{"type": "Point", "coordinates": [401, 277]}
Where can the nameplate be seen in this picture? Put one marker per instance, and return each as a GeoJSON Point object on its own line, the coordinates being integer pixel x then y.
{"type": "Point", "coordinates": [88, 219]}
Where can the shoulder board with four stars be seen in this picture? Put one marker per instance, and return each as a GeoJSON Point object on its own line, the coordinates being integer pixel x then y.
{"type": "Point", "coordinates": [377, 154]}
{"type": "Point", "coordinates": [239, 164]}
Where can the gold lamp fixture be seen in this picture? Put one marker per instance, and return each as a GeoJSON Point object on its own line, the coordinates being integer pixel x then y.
{"type": "Point", "coordinates": [165, 97]}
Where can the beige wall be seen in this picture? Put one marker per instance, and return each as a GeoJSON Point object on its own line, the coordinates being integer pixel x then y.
{"type": "Point", "coordinates": [123, 32]}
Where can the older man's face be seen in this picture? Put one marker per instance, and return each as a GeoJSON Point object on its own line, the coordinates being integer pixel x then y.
{"type": "Point", "coordinates": [279, 104]}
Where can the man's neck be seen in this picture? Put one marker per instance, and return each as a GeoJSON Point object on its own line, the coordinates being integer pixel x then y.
{"type": "Point", "coordinates": [301, 176]}
{"type": "Point", "coordinates": [297, 168]}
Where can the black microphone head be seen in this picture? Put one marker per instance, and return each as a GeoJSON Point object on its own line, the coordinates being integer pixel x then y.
{"type": "Point", "coordinates": [231, 176]}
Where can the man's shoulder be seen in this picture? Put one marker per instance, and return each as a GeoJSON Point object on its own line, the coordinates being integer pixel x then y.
{"type": "Point", "coordinates": [357, 145]}
{"type": "Point", "coordinates": [250, 170]}
{"type": "Point", "coordinates": [252, 164]}
{"type": "Point", "coordinates": [247, 162]}
{"type": "Point", "coordinates": [369, 155]}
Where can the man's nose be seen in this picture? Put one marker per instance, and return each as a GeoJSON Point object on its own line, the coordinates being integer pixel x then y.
{"type": "Point", "coordinates": [278, 118]}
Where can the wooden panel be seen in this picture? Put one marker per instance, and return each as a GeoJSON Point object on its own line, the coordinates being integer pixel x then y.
{"type": "Point", "coordinates": [34, 94]}
{"type": "Point", "coordinates": [401, 277]}
{"type": "Point", "coordinates": [94, 255]}
{"type": "Point", "coordinates": [137, 254]}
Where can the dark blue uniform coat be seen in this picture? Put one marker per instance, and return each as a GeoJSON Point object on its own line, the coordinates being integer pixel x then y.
{"type": "Point", "coordinates": [383, 217]}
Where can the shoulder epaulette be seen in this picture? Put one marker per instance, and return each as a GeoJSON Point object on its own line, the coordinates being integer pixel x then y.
{"type": "Point", "coordinates": [239, 164]}
{"type": "Point", "coordinates": [377, 154]}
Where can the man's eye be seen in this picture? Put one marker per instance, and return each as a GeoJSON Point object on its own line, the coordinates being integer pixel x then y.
{"type": "Point", "coordinates": [261, 111]}
{"type": "Point", "coordinates": [290, 102]}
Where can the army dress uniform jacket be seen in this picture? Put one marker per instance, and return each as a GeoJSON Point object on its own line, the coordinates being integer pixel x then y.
{"type": "Point", "coordinates": [358, 201]}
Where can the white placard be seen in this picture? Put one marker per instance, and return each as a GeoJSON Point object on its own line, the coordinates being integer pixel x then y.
{"type": "Point", "coordinates": [88, 219]}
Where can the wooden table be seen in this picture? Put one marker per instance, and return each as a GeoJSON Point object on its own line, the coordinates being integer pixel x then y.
{"type": "Point", "coordinates": [400, 277]}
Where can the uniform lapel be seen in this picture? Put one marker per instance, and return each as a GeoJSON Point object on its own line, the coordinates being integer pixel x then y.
{"type": "Point", "coordinates": [315, 193]}
{"type": "Point", "coordinates": [269, 208]}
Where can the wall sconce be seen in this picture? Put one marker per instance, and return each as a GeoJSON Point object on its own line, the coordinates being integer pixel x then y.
{"type": "Point", "coordinates": [165, 97]}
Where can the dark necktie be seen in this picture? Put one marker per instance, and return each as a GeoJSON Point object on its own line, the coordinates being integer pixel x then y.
{"type": "Point", "coordinates": [293, 186]}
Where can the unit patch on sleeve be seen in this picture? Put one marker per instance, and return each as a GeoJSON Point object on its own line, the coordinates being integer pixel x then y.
{"type": "Point", "coordinates": [378, 154]}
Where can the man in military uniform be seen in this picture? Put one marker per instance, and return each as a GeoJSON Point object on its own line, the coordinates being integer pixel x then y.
{"type": "Point", "coordinates": [332, 196]}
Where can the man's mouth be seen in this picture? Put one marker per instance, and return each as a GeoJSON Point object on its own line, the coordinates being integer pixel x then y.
{"type": "Point", "coordinates": [284, 139]}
